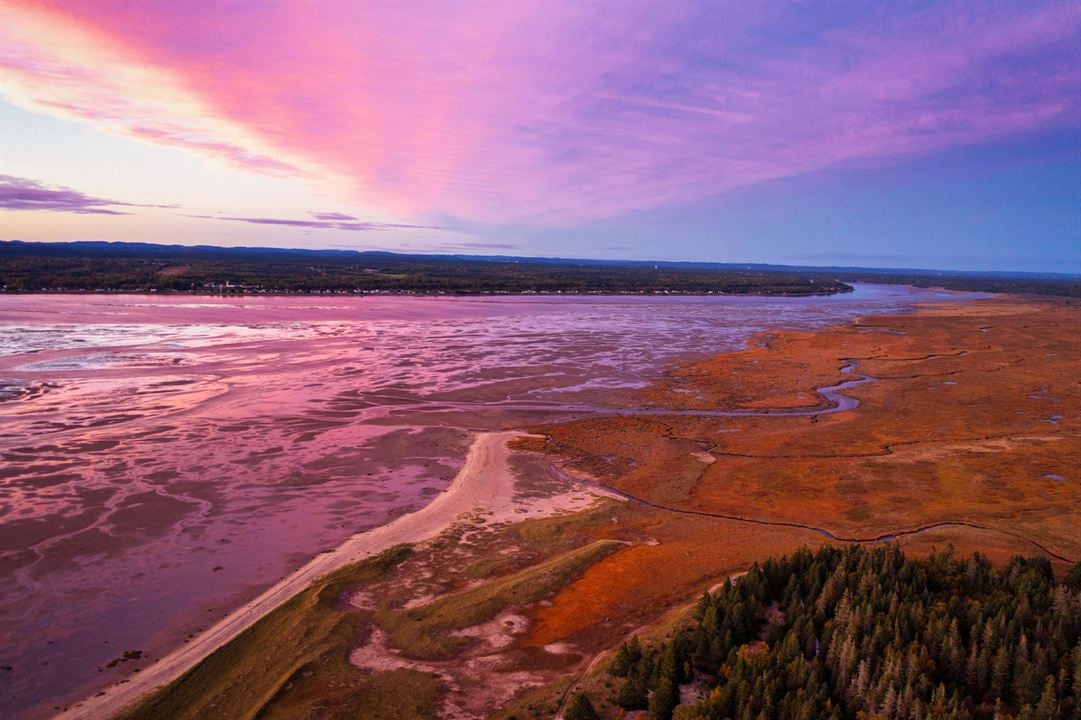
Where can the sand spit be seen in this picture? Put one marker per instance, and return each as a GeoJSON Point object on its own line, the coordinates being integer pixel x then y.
{"type": "Point", "coordinates": [484, 484]}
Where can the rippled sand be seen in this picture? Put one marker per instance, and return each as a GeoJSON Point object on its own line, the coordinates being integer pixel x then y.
{"type": "Point", "coordinates": [165, 458]}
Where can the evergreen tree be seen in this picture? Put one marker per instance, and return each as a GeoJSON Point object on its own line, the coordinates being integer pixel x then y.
{"type": "Point", "coordinates": [1073, 578]}
{"type": "Point", "coordinates": [634, 695]}
{"type": "Point", "coordinates": [1047, 707]}
{"type": "Point", "coordinates": [854, 633]}
{"type": "Point", "coordinates": [581, 709]}
{"type": "Point", "coordinates": [628, 655]}
{"type": "Point", "coordinates": [664, 700]}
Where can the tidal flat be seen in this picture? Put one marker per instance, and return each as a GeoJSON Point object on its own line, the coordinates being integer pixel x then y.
{"type": "Point", "coordinates": [508, 595]}
{"type": "Point", "coordinates": [168, 458]}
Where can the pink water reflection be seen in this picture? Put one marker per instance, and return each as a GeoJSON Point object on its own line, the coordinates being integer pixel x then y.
{"type": "Point", "coordinates": [166, 457]}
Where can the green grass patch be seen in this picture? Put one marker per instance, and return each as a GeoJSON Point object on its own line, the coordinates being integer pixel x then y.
{"type": "Point", "coordinates": [572, 529]}
{"type": "Point", "coordinates": [423, 632]}
{"type": "Point", "coordinates": [488, 567]}
{"type": "Point", "coordinates": [296, 654]}
{"type": "Point", "coordinates": [339, 692]}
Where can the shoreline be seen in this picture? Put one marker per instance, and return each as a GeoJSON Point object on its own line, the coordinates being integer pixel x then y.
{"type": "Point", "coordinates": [484, 482]}
{"type": "Point", "coordinates": [55, 689]}
{"type": "Point", "coordinates": [437, 294]}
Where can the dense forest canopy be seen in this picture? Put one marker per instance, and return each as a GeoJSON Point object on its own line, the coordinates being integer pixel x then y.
{"type": "Point", "coordinates": [869, 634]}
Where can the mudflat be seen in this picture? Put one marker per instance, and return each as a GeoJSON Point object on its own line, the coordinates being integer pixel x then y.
{"type": "Point", "coordinates": [171, 458]}
{"type": "Point", "coordinates": [966, 432]}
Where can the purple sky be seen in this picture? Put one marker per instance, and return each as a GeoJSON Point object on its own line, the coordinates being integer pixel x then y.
{"type": "Point", "coordinates": [917, 134]}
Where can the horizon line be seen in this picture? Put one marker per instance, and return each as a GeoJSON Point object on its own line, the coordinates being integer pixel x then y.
{"type": "Point", "coordinates": [728, 264]}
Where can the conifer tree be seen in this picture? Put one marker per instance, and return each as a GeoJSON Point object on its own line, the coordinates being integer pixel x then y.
{"type": "Point", "coordinates": [872, 634]}
{"type": "Point", "coordinates": [581, 709]}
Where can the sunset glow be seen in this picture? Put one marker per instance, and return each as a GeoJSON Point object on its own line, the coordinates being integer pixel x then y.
{"type": "Point", "coordinates": [496, 359]}
{"type": "Point", "coordinates": [532, 126]}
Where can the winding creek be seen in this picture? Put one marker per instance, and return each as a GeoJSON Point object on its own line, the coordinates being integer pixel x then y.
{"type": "Point", "coordinates": [835, 402]}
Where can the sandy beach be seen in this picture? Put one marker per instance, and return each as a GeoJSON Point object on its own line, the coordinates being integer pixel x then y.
{"type": "Point", "coordinates": [485, 483]}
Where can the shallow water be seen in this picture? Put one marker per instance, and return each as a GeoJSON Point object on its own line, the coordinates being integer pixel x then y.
{"type": "Point", "coordinates": [165, 458]}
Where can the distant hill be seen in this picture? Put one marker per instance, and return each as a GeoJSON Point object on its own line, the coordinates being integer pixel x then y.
{"type": "Point", "coordinates": [140, 267]}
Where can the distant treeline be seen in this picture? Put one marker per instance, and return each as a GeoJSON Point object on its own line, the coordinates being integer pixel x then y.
{"type": "Point", "coordinates": [853, 633]}
{"type": "Point", "coordinates": [145, 267]}
{"type": "Point", "coordinates": [1019, 284]}
{"type": "Point", "coordinates": [27, 267]}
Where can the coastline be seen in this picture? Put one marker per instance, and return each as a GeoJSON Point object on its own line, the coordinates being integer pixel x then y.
{"type": "Point", "coordinates": [484, 482]}
{"type": "Point", "coordinates": [485, 478]}
{"type": "Point", "coordinates": [433, 293]}
{"type": "Point", "coordinates": [81, 361]}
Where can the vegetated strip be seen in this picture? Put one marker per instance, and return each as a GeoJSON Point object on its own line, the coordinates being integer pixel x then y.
{"type": "Point", "coordinates": [301, 649]}
{"type": "Point", "coordinates": [307, 636]}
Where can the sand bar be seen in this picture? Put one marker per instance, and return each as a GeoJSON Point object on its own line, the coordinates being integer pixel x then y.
{"type": "Point", "coordinates": [485, 483]}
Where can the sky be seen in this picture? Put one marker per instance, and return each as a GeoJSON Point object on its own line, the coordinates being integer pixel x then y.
{"type": "Point", "coordinates": [916, 134]}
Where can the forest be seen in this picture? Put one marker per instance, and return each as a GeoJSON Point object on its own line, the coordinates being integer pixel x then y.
{"type": "Point", "coordinates": [851, 633]}
{"type": "Point", "coordinates": [140, 267]}
{"type": "Point", "coordinates": [204, 269]}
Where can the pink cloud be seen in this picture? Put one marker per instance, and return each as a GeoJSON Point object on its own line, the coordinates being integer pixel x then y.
{"type": "Point", "coordinates": [25, 194]}
{"type": "Point", "coordinates": [551, 113]}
